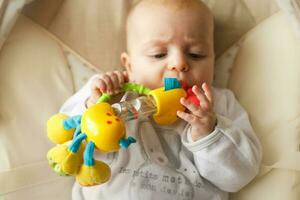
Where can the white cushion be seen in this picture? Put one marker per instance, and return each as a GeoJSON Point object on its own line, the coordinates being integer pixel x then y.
{"type": "Point", "coordinates": [266, 78]}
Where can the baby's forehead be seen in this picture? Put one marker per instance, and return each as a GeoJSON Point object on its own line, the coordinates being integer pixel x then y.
{"type": "Point", "coordinates": [143, 14]}
{"type": "Point", "coordinates": [153, 8]}
{"type": "Point", "coordinates": [150, 6]}
{"type": "Point", "coordinates": [172, 4]}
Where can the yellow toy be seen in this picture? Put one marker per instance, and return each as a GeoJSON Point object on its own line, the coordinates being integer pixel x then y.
{"type": "Point", "coordinates": [101, 126]}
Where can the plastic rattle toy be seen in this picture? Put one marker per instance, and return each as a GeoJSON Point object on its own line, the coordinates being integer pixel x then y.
{"type": "Point", "coordinates": [101, 126]}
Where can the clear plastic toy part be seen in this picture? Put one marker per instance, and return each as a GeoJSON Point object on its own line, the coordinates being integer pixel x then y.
{"type": "Point", "coordinates": [143, 106]}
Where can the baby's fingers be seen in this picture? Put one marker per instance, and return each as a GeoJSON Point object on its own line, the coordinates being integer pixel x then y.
{"type": "Point", "coordinates": [115, 82]}
{"type": "Point", "coordinates": [204, 102]}
{"type": "Point", "coordinates": [122, 77]}
{"type": "Point", "coordinates": [125, 75]}
{"type": "Point", "coordinates": [98, 87]}
{"type": "Point", "coordinates": [108, 83]}
{"type": "Point", "coordinates": [192, 107]}
{"type": "Point", "coordinates": [208, 92]}
{"type": "Point", "coordinates": [190, 118]}
{"type": "Point", "coordinates": [117, 79]}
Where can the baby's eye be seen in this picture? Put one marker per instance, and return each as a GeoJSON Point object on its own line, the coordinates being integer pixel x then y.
{"type": "Point", "coordinates": [159, 55]}
{"type": "Point", "coordinates": [196, 55]}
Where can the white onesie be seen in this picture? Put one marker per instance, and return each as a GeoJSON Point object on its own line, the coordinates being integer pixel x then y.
{"type": "Point", "coordinates": [166, 164]}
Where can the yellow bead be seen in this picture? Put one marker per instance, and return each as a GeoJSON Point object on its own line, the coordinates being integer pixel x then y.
{"type": "Point", "coordinates": [63, 161]}
{"type": "Point", "coordinates": [168, 103]}
{"type": "Point", "coordinates": [55, 130]}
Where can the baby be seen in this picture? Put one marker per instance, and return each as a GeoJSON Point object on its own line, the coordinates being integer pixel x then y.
{"type": "Point", "coordinates": [210, 150]}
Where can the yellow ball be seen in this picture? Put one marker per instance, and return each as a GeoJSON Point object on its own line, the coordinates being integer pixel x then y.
{"type": "Point", "coordinates": [103, 127]}
{"type": "Point", "coordinates": [55, 129]}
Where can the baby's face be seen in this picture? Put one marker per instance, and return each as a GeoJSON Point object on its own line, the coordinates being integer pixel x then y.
{"type": "Point", "coordinates": [164, 42]}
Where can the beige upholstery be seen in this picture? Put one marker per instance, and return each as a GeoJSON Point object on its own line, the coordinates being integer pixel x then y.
{"type": "Point", "coordinates": [80, 24]}
{"type": "Point", "coordinates": [34, 82]}
{"type": "Point", "coordinates": [42, 64]}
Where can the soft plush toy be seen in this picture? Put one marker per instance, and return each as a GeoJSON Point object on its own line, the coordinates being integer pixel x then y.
{"type": "Point", "coordinates": [101, 126]}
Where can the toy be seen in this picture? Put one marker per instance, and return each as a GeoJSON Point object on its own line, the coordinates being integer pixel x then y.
{"type": "Point", "coordinates": [101, 126]}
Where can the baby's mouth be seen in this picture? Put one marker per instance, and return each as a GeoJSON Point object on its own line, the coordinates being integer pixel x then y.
{"type": "Point", "coordinates": [183, 84]}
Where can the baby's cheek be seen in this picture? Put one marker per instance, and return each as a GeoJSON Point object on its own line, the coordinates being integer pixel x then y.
{"type": "Point", "coordinates": [148, 80]}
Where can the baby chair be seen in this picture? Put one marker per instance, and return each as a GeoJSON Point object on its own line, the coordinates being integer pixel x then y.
{"type": "Point", "coordinates": [49, 48]}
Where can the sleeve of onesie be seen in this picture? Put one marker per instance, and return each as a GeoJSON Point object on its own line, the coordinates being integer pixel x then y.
{"type": "Point", "coordinates": [230, 156]}
{"type": "Point", "coordinates": [75, 105]}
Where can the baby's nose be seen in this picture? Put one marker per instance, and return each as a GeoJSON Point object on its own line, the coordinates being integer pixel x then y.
{"type": "Point", "coordinates": [178, 63]}
{"type": "Point", "coordinates": [181, 68]}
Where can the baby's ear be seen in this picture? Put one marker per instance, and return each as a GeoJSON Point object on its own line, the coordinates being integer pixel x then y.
{"type": "Point", "coordinates": [125, 61]}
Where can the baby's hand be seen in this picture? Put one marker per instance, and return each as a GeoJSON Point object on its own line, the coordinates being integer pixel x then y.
{"type": "Point", "coordinates": [109, 82]}
{"type": "Point", "coordinates": [201, 118]}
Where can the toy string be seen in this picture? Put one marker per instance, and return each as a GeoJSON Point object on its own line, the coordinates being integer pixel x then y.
{"type": "Point", "coordinates": [132, 87]}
